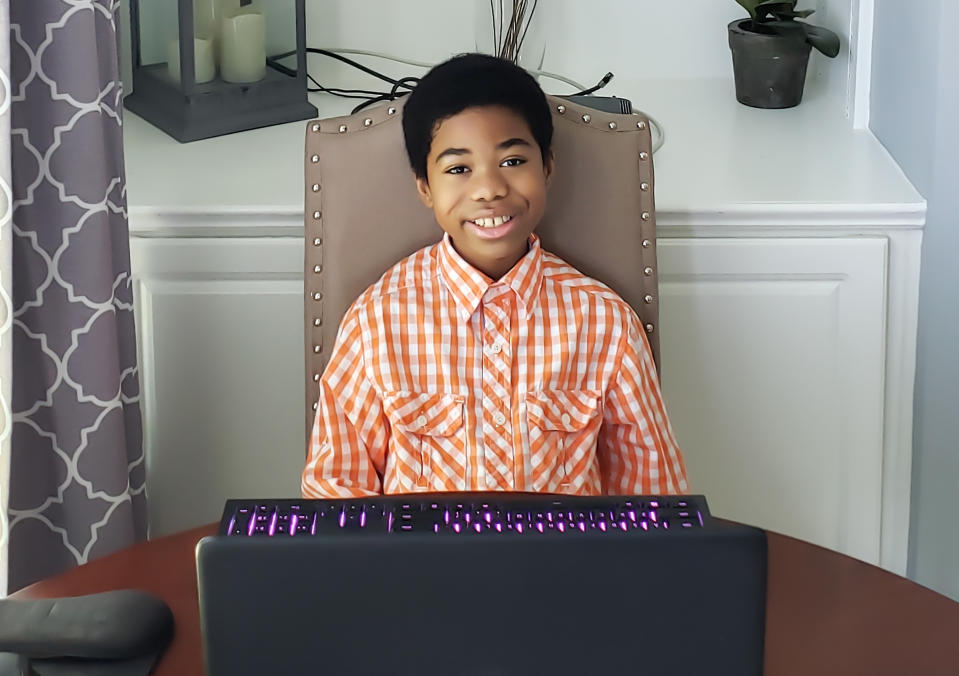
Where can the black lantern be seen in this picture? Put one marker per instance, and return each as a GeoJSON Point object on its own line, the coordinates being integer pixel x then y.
{"type": "Point", "coordinates": [204, 68]}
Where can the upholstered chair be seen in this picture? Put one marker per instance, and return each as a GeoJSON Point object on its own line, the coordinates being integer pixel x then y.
{"type": "Point", "coordinates": [363, 215]}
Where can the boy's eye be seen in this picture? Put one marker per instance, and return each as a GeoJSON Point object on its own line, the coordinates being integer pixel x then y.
{"type": "Point", "coordinates": [513, 162]}
{"type": "Point", "coordinates": [457, 170]}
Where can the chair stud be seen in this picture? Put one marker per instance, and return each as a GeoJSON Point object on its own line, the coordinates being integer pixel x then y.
{"type": "Point", "coordinates": [317, 321]}
{"type": "Point", "coordinates": [586, 119]}
{"type": "Point", "coordinates": [317, 269]}
{"type": "Point", "coordinates": [644, 186]}
{"type": "Point", "coordinates": [315, 159]}
{"type": "Point", "coordinates": [316, 349]}
{"type": "Point", "coordinates": [367, 122]}
{"type": "Point", "coordinates": [641, 125]}
{"type": "Point", "coordinates": [648, 298]}
{"type": "Point", "coordinates": [647, 243]}
{"type": "Point", "coordinates": [645, 216]}
{"type": "Point", "coordinates": [649, 328]}
{"type": "Point", "coordinates": [647, 271]}
{"type": "Point", "coordinates": [612, 125]}
{"type": "Point", "coordinates": [316, 187]}
{"type": "Point", "coordinates": [644, 155]}
{"type": "Point", "coordinates": [316, 215]}
{"type": "Point", "coordinates": [317, 296]}
{"type": "Point", "coordinates": [317, 241]}
{"type": "Point", "coordinates": [316, 377]}
{"type": "Point", "coordinates": [342, 128]}
{"type": "Point", "coordinates": [315, 127]}
{"type": "Point", "coordinates": [561, 109]}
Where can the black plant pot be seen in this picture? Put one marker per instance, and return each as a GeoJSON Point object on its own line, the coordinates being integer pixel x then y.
{"type": "Point", "coordinates": [770, 69]}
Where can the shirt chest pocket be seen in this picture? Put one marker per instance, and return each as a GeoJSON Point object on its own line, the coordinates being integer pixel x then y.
{"type": "Point", "coordinates": [563, 428]}
{"type": "Point", "coordinates": [427, 446]}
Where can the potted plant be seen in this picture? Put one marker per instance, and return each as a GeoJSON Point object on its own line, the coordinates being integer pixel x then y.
{"type": "Point", "coordinates": [771, 51]}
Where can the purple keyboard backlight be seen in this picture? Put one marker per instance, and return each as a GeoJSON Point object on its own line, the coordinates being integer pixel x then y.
{"type": "Point", "coordinates": [479, 514]}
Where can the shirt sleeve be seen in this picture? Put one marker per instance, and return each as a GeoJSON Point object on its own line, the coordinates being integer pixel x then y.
{"type": "Point", "coordinates": [350, 433]}
{"type": "Point", "coordinates": [637, 450]}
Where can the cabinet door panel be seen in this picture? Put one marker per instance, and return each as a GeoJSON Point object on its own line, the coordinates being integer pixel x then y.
{"type": "Point", "coordinates": [773, 362]}
{"type": "Point", "coordinates": [221, 343]}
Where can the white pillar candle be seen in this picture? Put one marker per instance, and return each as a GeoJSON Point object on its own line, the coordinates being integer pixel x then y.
{"type": "Point", "coordinates": [204, 68]}
{"type": "Point", "coordinates": [206, 19]}
{"type": "Point", "coordinates": [243, 46]}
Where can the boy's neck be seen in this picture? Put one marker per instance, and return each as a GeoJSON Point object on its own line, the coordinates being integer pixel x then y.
{"type": "Point", "coordinates": [495, 270]}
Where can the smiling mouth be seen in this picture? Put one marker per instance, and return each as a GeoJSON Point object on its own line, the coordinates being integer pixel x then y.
{"type": "Point", "coordinates": [494, 222]}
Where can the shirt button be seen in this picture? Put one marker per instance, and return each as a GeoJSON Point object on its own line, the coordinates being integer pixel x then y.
{"type": "Point", "coordinates": [565, 419]}
{"type": "Point", "coordinates": [421, 421]}
{"type": "Point", "coordinates": [496, 348]}
{"type": "Point", "coordinates": [499, 418]}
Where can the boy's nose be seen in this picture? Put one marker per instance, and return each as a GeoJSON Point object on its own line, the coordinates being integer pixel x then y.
{"type": "Point", "coordinates": [488, 185]}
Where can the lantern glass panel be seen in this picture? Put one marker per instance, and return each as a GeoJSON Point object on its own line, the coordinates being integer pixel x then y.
{"type": "Point", "coordinates": [158, 26]}
{"type": "Point", "coordinates": [248, 65]}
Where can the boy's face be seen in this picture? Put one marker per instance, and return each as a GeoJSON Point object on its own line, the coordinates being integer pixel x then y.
{"type": "Point", "coordinates": [486, 184]}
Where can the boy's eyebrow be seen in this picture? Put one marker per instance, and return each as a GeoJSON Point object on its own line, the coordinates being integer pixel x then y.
{"type": "Point", "coordinates": [508, 143]}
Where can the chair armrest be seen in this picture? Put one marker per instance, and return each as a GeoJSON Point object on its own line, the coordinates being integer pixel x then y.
{"type": "Point", "coordinates": [114, 625]}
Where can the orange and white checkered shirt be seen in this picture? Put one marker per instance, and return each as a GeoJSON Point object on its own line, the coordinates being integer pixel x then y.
{"type": "Point", "coordinates": [443, 380]}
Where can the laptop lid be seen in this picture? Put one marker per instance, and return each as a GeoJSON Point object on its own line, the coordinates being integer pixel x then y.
{"type": "Point", "coordinates": [583, 602]}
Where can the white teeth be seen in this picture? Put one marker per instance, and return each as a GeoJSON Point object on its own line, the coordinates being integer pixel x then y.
{"type": "Point", "coordinates": [494, 222]}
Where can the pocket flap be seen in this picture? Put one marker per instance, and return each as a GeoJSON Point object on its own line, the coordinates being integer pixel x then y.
{"type": "Point", "coordinates": [430, 414]}
{"type": "Point", "coordinates": [563, 410]}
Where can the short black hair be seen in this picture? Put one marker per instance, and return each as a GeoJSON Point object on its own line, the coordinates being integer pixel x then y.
{"type": "Point", "coordinates": [469, 81]}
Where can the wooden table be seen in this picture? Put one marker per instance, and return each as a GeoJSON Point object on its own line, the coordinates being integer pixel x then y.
{"type": "Point", "coordinates": [826, 613]}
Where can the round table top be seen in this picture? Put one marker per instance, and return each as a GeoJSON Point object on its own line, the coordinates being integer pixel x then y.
{"type": "Point", "coordinates": [826, 613]}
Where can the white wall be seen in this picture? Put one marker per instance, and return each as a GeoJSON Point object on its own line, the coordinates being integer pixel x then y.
{"type": "Point", "coordinates": [915, 105]}
{"type": "Point", "coordinates": [637, 40]}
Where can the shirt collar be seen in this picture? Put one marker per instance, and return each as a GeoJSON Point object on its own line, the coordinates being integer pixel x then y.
{"type": "Point", "coordinates": [467, 285]}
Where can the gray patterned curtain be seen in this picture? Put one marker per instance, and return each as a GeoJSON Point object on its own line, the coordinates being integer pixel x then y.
{"type": "Point", "coordinates": [6, 309]}
{"type": "Point", "coordinates": [76, 468]}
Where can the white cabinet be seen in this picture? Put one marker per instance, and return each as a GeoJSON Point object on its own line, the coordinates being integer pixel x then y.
{"type": "Point", "coordinates": [221, 356]}
{"type": "Point", "coordinates": [773, 356]}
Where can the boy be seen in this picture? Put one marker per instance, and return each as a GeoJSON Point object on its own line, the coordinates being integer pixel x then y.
{"type": "Point", "coordinates": [483, 362]}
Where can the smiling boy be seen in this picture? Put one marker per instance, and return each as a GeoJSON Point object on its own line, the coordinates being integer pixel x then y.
{"type": "Point", "coordinates": [483, 362]}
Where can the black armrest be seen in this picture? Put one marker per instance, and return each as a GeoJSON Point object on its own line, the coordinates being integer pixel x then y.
{"type": "Point", "coordinates": [125, 629]}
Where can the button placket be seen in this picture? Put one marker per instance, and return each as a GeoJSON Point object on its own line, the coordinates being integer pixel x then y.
{"type": "Point", "coordinates": [497, 369]}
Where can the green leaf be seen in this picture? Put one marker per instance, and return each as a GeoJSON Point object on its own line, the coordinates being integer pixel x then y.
{"type": "Point", "coordinates": [782, 10]}
{"type": "Point", "coordinates": [822, 39]}
{"type": "Point", "coordinates": [795, 30]}
{"type": "Point", "coordinates": [776, 6]}
{"type": "Point", "coordinates": [750, 6]}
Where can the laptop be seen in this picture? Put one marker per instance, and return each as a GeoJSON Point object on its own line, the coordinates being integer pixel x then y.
{"type": "Point", "coordinates": [481, 585]}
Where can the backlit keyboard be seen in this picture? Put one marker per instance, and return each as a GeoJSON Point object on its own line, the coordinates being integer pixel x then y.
{"type": "Point", "coordinates": [465, 514]}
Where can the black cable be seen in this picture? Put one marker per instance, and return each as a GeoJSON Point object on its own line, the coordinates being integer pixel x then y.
{"type": "Point", "coordinates": [378, 99]}
{"type": "Point", "coordinates": [599, 85]}
{"type": "Point", "coordinates": [360, 66]}
{"type": "Point", "coordinates": [273, 62]}
{"type": "Point", "coordinates": [373, 96]}
{"type": "Point", "coordinates": [339, 91]}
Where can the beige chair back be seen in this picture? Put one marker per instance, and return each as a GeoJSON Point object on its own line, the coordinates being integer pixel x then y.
{"type": "Point", "coordinates": [363, 215]}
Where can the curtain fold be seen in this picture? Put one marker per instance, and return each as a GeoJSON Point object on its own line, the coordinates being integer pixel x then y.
{"type": "Point", "coordinates": [6, 308]}
{"type": "Point", "coordinates": [76, 466]}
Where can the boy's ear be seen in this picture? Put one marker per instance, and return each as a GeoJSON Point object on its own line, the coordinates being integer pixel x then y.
{"type": "Point", "coordinates": [548, 166]}
{"type": "Point", "coordinates": [423, 190]}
